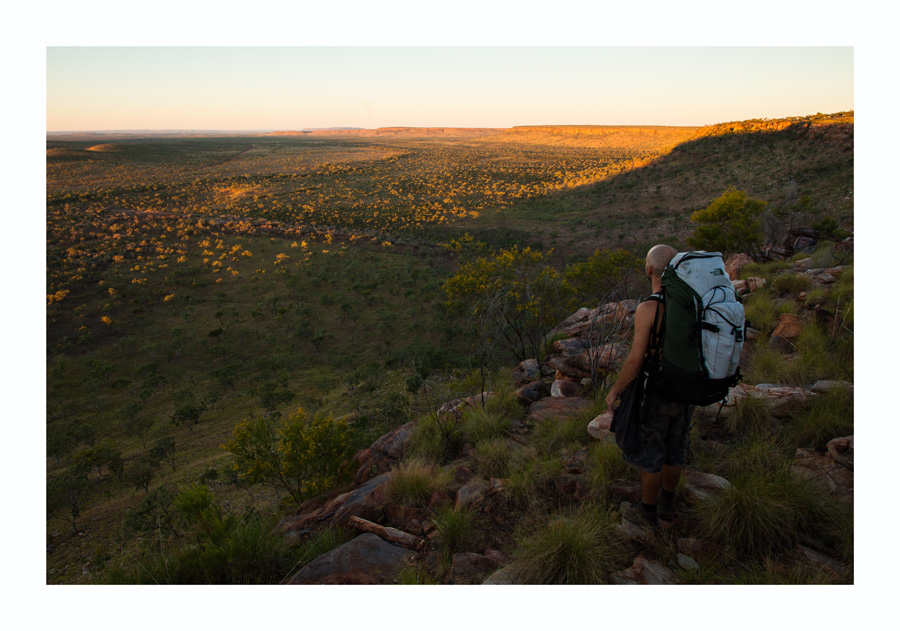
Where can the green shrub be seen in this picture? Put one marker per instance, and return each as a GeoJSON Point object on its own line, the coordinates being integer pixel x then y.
{"type": "Point", "coordinates": [413, 483]}
{"type": "Point", "coordinates": [299, 455]}
{"type": "Point", "coordinates": [576, 547]}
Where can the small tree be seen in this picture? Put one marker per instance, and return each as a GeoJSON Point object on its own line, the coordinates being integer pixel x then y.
{"type": "Point", "coordinates": [299, 455]}
{"type": "Point", "coordinates": [66, 494]}
{"type": "Point", "coordinates": [732, 223]}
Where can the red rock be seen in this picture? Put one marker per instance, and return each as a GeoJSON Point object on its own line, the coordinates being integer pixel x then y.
{"type": "Point", "coordinates": [645, 572]}
{"type": "Point", "coordinates": [383, 453]}
{"type": "Point", "coordinates": [735, 264]}
{"type": "Point", "coordinates": [526, 371]}
{"type": "Point", "coordinates": [470, 493]}
{"type": "Point", "coordinates": [811, 465]}
{"type": "Point", "coordinates": [531, 392]}
{"type": "Point", "coordinates": [789, 326]}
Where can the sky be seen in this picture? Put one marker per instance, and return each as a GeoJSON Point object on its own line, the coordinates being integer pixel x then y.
{"type": "Point", "coordinates": [289, 88]}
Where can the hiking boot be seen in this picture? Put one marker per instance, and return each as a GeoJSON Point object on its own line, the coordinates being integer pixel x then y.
{"type": "Point", "coordinates": [638, 516]}
{"type": "Point", "coordinates": [665, 506]}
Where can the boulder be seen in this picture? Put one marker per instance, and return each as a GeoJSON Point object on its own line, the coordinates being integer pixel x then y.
{"type": "Point", "coordinates": [470, 493]}
{"type": "Point", "coordinates": [687, 562]}
{"type": "Point", "coordinates": [504, 576]}
{"type": "Point", "coordinates": [624, 491]}
{"type": "Point", "coordinates": [826, 385]}
{"type": "Point", "coordinates": [366, 560]}
{"type": "Point", "coordinates": [526, 371]}
{"type": "Point", "coordinates": [554, 408]}
{"type": "Point", "coordinates": [565, 389]}
{"type": "Point", "coordinates": [383, 453]}
{"type": "Point", "coordinates": [468, 565]}
{"type": "Point", "coordinates": [599, 427]}
{"type": "Point", "coordinates": [570, 347]}
{"type": "Point", "coordinates": [789, 326]}
{"type": "Point", "coordinates": [531, 392]}
{"type": "Point", "coordinates": [735, 264]}
{"type": "Point", "coordinates": [645, 572]}
{"type": "Point", "coordinates": [701, 486]}
{"type": "Point", "coordinates": [571, 326]}
{"type": "Point", "coordinates": [833, 469]}
{"type": "Point", "coordinates": [365, 502]}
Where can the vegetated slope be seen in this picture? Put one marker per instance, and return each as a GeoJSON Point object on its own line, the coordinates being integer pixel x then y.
{"type": "Point", "coordinates": [636, 137]}
{"type": "Point", "coordinates": [777, 161]}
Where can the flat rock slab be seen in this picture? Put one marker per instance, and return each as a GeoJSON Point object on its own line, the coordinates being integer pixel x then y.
{"type": "Point", "coordinates": [554, 408]}
{"type": "Point", "coordinates": [367, 560]}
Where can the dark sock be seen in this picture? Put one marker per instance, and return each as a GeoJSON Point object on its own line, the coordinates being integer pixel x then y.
{"type": "Point", "coordinates": [669, 495]}
{"type": "Point", "coordinates": [648, 508]}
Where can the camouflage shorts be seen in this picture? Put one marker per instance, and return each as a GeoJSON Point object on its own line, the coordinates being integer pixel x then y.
{"type": "Point", "coordinates": [663, 436]}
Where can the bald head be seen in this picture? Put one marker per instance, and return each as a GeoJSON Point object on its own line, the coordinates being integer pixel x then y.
{"type": "Point", "coordinates": [658, 258]}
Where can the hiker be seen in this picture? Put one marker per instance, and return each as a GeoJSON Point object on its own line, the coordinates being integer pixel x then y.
{"type": "Point", "coordinates": [664, 432]}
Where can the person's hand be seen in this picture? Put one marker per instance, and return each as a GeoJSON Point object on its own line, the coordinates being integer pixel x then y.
{"type": "Point", "coordinates": [612, 401]}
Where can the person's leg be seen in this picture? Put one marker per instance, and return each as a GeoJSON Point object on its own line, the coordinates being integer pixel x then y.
{"type": "Point", "coordinates": [670, 476]}
{"type": "Point", "coordinates": [650, 483]}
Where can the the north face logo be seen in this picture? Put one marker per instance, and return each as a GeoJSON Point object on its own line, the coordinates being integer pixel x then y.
{"type": "Point", "coordinates": [717, 271]}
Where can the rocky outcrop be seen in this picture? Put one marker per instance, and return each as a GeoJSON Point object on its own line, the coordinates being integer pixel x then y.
{"type": "Point", "coordinates": [833, 468]}
{"type": "Point", "coordinates": [367, 560]}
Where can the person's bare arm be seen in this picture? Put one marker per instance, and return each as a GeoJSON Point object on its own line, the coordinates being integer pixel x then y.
{"type": "Point", "coordinates": [643, 322]}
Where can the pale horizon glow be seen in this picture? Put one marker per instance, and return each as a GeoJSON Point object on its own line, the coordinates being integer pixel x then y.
{"type": "Point", "coordinates": [266, 89]}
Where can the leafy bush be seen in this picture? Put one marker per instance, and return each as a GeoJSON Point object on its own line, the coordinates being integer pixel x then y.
{"type": "Point", "coordinates": [575, 547]}
{"type": "Point", "coordinates": [731, 223]}
{"type": "Point", "coordinates": [299, 455]}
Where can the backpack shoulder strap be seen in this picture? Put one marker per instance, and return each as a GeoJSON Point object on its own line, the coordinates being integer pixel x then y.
{"type": "Point", "coordinates": [658, 330]}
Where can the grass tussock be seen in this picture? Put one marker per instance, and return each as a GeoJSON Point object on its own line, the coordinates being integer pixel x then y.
{"type": "Point", "coordinates": [414, 482]}
{"type": "Point", "coordinates": [456, 529]}
{"type": "Point", "coordinates": [492, 458]}
{"type": "Point", "coordinates": [763, 514]}
{"type": "Point", "coordinates": [829, 416]}
{"type": "Point", "coordinates": [577, 547]}
{"type": "Point", "coordinates": [791, 283]}
{"type": "Point", "coordinates": [484, 424]}
{"type": "Point", "coordinates": [751, 417]}
{"type": "Point", "coordinates": [534, 477]}
{"type": "Point", "coordinates": [606, 465]}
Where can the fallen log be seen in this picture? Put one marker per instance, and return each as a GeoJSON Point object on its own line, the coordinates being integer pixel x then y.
{"type": "Point", "coordinates": [391, 535]}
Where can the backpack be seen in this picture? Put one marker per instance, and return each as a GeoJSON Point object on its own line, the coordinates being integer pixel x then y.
{"type": "Point", "coordinates": [702, 332]}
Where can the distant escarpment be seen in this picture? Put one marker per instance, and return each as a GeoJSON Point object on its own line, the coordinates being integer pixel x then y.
{"type": "Point", "coordinates": [406, 132]}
